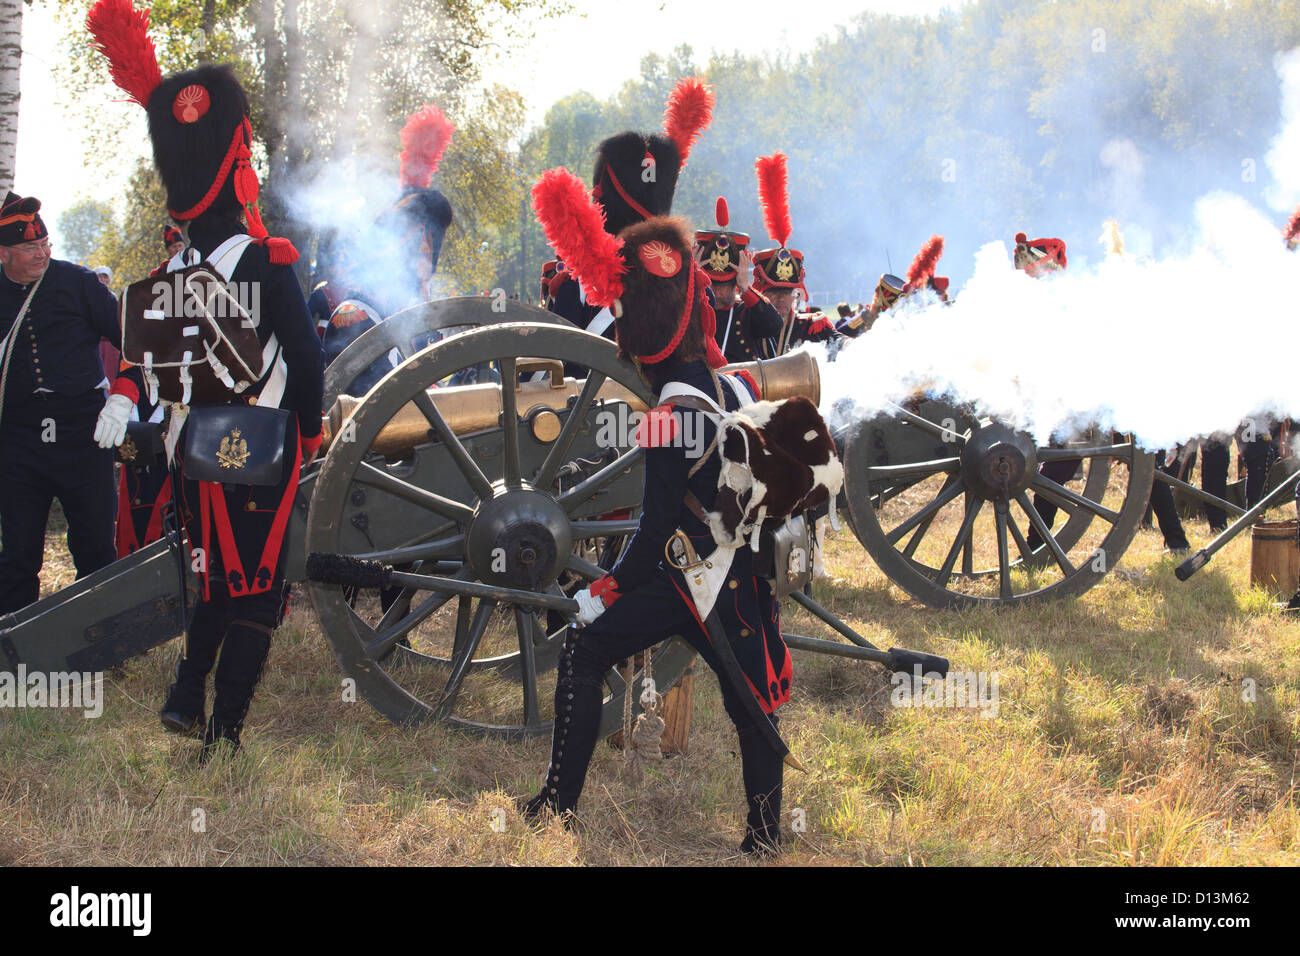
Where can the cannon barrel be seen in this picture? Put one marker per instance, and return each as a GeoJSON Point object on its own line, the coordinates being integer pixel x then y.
{"type": "Point", "coordinates": [472, 408]}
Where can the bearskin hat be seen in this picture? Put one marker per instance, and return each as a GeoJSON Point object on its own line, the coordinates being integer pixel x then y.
{"type": "Point", "coordinates": [198, 124]}
{"type": "Point", "coordinates": [193, 117]}
{"type": "Point", "coordinates": [635, 175]}
{"type": "Point", "coordinates": [660, 273]}
{"type": "Point", "coordinates": [622, 180]}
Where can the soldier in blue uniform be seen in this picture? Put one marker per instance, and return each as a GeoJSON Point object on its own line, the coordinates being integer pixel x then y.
{"type": "Point", "coordinates": [747, 324]}
{"type": "Point", "coordinates": [202, 141]}
{"type": "Point", "coordinates": [392, 270]}
{"type": "Point", "coordinates": [53, 315]}
{"type": "Point", "coordinates": [663, 327]}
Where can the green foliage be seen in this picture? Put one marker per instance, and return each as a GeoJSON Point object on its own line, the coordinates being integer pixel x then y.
{"type": "Point", "coordinates": [80, 229]}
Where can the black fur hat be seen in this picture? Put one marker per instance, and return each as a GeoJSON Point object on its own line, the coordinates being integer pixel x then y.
{"type": "Point", "coordinates": [193, 117]}
{"type": "Point", "coordinates": [621, 168]}
{"type": "Point", "coordinates": [425, 209]}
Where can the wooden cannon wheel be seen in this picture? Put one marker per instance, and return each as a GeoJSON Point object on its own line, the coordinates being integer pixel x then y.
{"type": "Point", "coordinates": [408, 330]}
{"type": "Point", "coordinates": [508, 507]}
{"type": "Point", "coordinates": [917, 485]}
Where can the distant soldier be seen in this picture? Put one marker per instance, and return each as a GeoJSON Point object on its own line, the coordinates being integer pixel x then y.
{"type": "Point", "coordinates": [747, 325]}
{"type": "Point", "coordinates": [635, 177]}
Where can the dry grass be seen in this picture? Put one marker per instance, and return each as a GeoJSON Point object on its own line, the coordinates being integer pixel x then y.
{"type": "Point", "coordinates": [1122, 738]}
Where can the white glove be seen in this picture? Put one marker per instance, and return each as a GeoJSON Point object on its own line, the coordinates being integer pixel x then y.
{"type": "Point", "coordinates": [590, 607]}
{"type": "Point", "coordinates": [110, 430]}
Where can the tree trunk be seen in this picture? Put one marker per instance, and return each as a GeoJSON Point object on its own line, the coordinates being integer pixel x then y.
{"type": "Point", "coordinates": [11, 54]}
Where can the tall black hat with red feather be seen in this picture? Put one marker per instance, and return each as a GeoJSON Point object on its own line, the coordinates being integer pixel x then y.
{"type": "Point", "coordinates": [635, 176]}
{"type": "Point", "coordinates": [198, 124]}
{"type": "Point", "coordinates": [721, 259]}
{"type": "Point", "coordinates": [422, 210]}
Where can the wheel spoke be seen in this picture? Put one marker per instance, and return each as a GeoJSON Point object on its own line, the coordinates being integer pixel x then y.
{"type": "Point", "coordinates": [524, 627]}
{"type": "Point", "coordinates": [1004, 557]}
{"type": "Point", "coordinates": [581, 493]}
{"type": "Point", "coordinates": [1044, 532]}
{"type": "Point", "coordinates": [580, 565]}
{"type": "Point", "coordinates": [466, 643]}
{"type": "Point", "coordinates": [452, 547]}
{"type": "Point", "coordinates": [950, 490]}
{"type": "Point", "coordinates": [1026, 552]}
{"type": "Point", "coordinates": [968, 556]}
{"type": "Point", "coordinates": [510, 420]}
{"type": "Point", "coordinates": [394, 632]}
{"type": "Point", "coordinates": [938, 431]}
{"type": "Point", "coordinates": [468, 467]}
{"type": "Point", "coordinates": [559, 450]}
{"type": "Point", "coordinates": [582, 530]}
{"type": "Point", "coordinates": [1065, 498]}
{"type": "Point", "coordinates": [973, 505]}
{"type": "Point", "coordinates": [368, 474]}
{"type": "Point", "coordinates": [1120, 452]}
{"type": "Point", "coordinates": [918, 469]}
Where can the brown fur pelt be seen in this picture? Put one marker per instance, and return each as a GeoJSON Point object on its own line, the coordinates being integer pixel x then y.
{"type": "Point", "coordinates": [792, 466]}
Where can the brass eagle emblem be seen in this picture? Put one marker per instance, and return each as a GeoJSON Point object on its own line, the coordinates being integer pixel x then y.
{"type": "Point", "coordinates": [719, 260]}
{"type": "Point", "coordinates": [233, 452]}
{"type": "Point", "coordinates": [127, 450]}
{"type": "Point", "coordinates": [785, 270]}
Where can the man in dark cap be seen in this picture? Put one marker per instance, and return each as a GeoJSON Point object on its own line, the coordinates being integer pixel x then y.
{"type": "Point", "coordinates": [53, 315]}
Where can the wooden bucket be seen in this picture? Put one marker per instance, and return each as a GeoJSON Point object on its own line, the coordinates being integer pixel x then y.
{"type": "Point", "coordinates": [1274, 556]}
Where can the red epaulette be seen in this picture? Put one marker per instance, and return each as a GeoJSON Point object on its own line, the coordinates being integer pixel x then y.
{"type": "Point", "coordinates": [657, 428]}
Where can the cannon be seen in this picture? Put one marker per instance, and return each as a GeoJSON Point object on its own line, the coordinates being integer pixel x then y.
{"type": "Point", "coordinates": [496, 498]}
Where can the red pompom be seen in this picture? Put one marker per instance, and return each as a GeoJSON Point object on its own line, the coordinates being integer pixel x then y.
{"type": "Point", "coordinates": [689, 111]}
{"type": "Point", "coordinates": [774, 195]}
{"type": "Point", "coordinates": [721, 213]}
{"type": "Point", "coordinates": [425, 137]}
{"type": "Point", "coordinates": [575, 227]}
{"type": "Point", "coordinates": [122, 34]}
{"type": "Point", "coordinates": [1020, 237]}
{"type": "Point", "coordinates": [923, 266]}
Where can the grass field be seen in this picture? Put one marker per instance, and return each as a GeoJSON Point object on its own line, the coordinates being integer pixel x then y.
{"type": "Point", "coordinates": [1122, 737]}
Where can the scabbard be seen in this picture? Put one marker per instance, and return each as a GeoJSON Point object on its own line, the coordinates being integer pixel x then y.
{"type": "Point", "coordinates": [740, 685]}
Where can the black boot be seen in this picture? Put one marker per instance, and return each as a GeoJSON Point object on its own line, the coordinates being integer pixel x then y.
{"type": "Point", "coordinates": [762, 769]}
{"type": "Point", "coordinates": [578, 700]}
{"type": "Point", "coordinates": [243, 654]}
{"type": "Point", "coordinates": [183, 711]}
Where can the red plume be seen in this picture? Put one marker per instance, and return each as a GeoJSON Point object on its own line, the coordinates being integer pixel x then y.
{"type": "Point", "coordinates": [923, 266]}
{"type": "Point", "coordinates": [688, 113]}
{"type": "Point", "coordinates": [1292, 230]}
{"type": "Point", "coordinates": [720, 212]}
{"type": "Point", "coordinates": [121, 34]}
{"type": "Point", "coordinates": [774, 195]}
{"type": "Point", "coordinates": [425, 138]}
{"type": "Point", "coordinates": [575, 227]}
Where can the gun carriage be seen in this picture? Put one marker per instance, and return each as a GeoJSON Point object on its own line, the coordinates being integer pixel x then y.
{"type": "Point", "coordinates": [495, 499]}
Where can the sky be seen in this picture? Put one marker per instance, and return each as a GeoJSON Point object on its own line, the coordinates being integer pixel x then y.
{"type": "Point", "coordinates": [544, 70]}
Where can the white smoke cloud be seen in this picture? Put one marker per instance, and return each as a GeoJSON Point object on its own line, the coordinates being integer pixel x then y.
{"type": "Point", "coordinates": [1166, 349]}
{"type": "Point", "coordinates": [1170, 348]}
{"type": "Point", "coordinates": [1285, 151]}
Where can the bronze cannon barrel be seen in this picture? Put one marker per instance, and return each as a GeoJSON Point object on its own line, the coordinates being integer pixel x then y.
{"type": "Point", "coordinates": [472, 408]}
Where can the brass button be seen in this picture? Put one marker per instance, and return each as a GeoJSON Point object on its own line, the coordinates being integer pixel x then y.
{"type": "Point", "coordinates": [744, 632]}
{"type": "Point", "coordinates": [733, 585]}
{"type": "Point", "coordinates": [251, 506]}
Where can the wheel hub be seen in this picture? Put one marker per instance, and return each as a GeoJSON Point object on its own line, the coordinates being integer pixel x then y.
{"type": "Point", "coordinates": [998, 461]}
{"type": "Point", "coordinates": [519, 539]}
